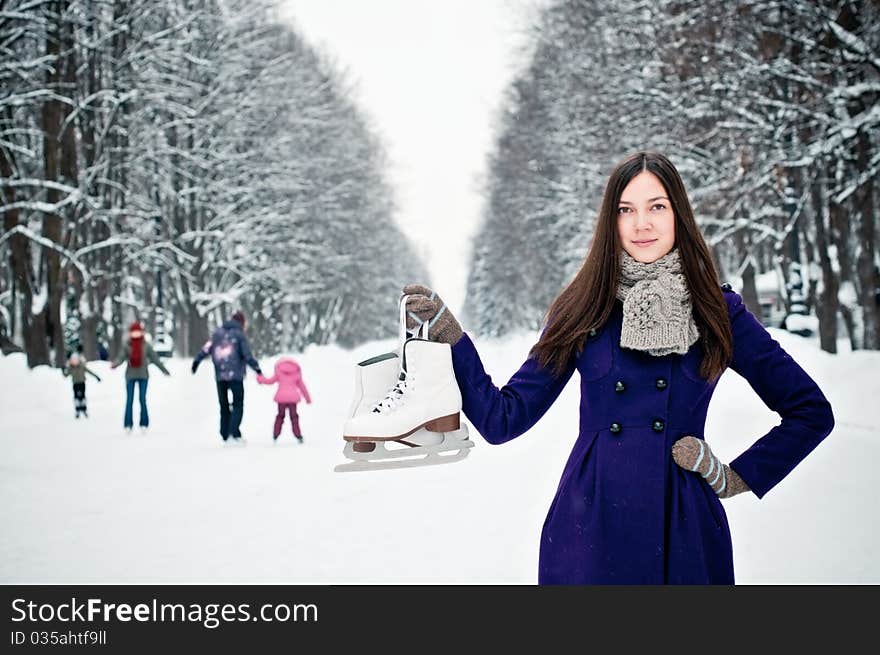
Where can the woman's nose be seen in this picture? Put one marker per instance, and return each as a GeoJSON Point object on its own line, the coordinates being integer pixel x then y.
{"type": "Point", "coordinates": [643, 221]}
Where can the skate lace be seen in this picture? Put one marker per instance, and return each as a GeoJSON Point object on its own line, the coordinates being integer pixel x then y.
{"type": "Point", "coordinates": [395, 396]}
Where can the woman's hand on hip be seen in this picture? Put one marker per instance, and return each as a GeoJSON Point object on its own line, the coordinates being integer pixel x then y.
{"type": "Point", "coordinates": [695, 455]}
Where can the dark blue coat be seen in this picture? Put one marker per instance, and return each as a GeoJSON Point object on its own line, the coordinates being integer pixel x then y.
{"type": "Point", "coordinates": [624, 511]}
{"type": "Point", "coordinates": [230, 351]}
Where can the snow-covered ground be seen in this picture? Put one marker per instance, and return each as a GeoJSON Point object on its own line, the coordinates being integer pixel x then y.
{"type": "Point", "coordinates": [83, 502]}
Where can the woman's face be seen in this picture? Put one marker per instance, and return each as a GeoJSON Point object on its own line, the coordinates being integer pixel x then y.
{"type": "Point", "coordinates": [645, 220]}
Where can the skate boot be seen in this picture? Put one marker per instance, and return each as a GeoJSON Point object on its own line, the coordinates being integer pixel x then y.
{"type": "Point", "coordinates": [425, 396]}
{"type": "Point", "coordinates": [416, 418]}
{"type": "Point", "coordinates": [372, 379]}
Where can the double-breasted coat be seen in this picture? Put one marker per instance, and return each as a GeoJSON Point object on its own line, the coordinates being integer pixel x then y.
{"type": "Point", "coordinates": [624, 511]}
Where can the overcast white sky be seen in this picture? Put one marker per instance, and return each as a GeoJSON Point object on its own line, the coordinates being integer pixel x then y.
{"type": "Point", "coordinates": [430, 75]}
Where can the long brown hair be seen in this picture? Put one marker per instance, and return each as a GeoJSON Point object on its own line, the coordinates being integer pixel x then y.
{"type": "Point", "coordinates": [588, 300]}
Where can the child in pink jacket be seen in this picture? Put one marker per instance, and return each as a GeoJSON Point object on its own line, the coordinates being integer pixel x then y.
{"type": "Point", "coordinates": [291, 389]}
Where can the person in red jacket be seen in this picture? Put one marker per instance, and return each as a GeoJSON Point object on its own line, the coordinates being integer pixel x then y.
{"type": "Point", "coordinates": [137, 354]}
{"type": "Point", "coordinates": [291, 390]}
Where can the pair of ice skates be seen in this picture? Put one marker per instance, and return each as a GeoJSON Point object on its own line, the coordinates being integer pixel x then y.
{"type": "Point", "coordinates": [406, 407]}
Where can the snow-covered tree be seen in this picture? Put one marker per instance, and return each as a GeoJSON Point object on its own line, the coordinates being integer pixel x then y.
{"type": "Point", "coordinates": [182, 158]}
{"type": "Point", "coordinates": [769, 111]}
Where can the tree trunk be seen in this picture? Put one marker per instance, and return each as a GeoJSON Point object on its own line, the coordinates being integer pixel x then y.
{"type": "Point", "coordinates": [812, 287]}
{"type": "Point", "coordinates": [88, 332]}
{"type": "Point", "coordinates": [750, 289]}
{"type": "Point", "coordinates": [854, 21]}
{"type": "Point", "coordinates": [87, 119]}
{"type": "Point", "coordinates": [868, 273]}
{"type": "Point", "coordinates": [116, 317]}
{"type": "Point", "coordinates": [19, 259]}
{"type": "Point", "coordinates": [747, 272]}
{"type": "Point", "coordinates": [840, 239]}
{"type": "Point", "coordinates": [826, 307]}
{"type": "Point", "coordinates": [197, 331]}
{"type": "Point", "coordinates": [59, 158]}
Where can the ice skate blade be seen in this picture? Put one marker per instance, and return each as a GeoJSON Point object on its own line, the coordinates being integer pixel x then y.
{"type": "Point", "coordinates": [451, 441]}
{"type": "Point", "coordinates": [430, 459]}
{"type": "Point", "coordinates": [456, 444]}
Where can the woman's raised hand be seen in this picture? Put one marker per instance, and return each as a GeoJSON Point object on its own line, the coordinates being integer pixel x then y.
{"type": "Point", "coordinates": [423, 305]}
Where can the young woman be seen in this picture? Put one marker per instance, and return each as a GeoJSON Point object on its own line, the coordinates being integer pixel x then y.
{"type": "Point", "coordinates": [138, 354]}
{"type": "Point", "coordinates": [650, 331]}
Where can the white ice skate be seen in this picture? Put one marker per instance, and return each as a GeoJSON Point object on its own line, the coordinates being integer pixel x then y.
{"type": "Point", "coordinates": [406, 408]}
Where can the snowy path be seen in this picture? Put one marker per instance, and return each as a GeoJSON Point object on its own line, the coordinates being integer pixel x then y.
{"type": "Point", "coordinates": [84, 502]}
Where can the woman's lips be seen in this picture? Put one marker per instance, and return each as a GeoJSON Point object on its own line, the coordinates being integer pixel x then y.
{"type": "Point", "coordinates": [644, 244]}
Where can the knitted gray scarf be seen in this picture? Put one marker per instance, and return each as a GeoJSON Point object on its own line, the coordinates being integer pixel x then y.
{"type": "Point", "coordinates": [657, 316]}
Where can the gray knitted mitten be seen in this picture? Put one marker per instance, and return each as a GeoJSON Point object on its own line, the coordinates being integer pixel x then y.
{"type": "Point", "coordinates": [425, 305]}
{"type": "Point", "coordinates": [695, 455]}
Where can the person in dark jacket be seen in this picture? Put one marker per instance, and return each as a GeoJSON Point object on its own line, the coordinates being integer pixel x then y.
{"type": "Point", "coordinates": [138, 354]}
{"type": "Point", "coordinates": [649, 328]}
{"type": "Point", "coordinates": [230, 352]}
{"type": "Point", "coordinates": [76, 368]}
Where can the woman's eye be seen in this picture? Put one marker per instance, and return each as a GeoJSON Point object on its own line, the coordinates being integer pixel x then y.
{"type": "Point", "coordinates": [621, 210]}
{"type": "Point", "coordinates": [659, 206]}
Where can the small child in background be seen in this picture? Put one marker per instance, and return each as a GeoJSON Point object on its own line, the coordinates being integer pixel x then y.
{"type": "Point", "coordinates": [291, 389]}
{"type": "Point", "coordinates": [76, 368]}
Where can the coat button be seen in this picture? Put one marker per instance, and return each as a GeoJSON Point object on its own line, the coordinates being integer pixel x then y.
{"type": "Point", "coordinates": [660, 383]}
{"type": "Point", "coordinates": [619, 386]}
{"type": "Point", "coordinates": [592, 333]}
{"type": "Point", "coordinates": [658, 425]}
{"type": "Point", "coordinates": [615, 428]}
